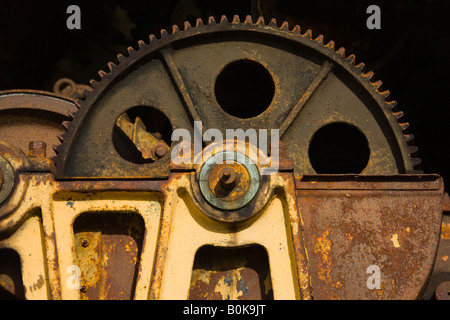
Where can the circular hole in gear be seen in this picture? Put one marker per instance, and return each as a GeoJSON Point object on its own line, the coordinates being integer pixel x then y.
{"type": "Point", "coordinates": [244, 89]}
{"type": "Point", "coordinates": [138, 130]}
{"type": "Point", "coordinates": [339, 148]}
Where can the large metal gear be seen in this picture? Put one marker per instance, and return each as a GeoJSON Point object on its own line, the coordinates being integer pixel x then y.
{"type": "Point", "coordinates": [330, 114]}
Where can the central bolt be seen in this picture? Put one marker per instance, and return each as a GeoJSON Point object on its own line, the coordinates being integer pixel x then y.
{"type": "Point", "coordinates": [227, 178]}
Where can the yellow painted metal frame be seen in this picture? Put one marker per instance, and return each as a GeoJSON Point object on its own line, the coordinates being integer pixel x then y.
{"type": "Point", "coordinates": [40, 229]}
{"type": "Point", "coordinates": [185, 229]}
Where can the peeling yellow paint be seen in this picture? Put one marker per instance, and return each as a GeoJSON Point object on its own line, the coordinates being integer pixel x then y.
{"type": "Point", "coordinates": [445, 232]}
{"type": "Point", "coordinates": [394, 240]}
{"type": "Point", "coordinates": [445, 258]}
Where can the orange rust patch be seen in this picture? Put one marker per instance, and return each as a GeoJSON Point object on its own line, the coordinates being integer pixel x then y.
{"type": "Point", "coordinates": [445, 231]}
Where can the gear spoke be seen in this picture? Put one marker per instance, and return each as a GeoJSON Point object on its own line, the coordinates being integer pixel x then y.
{"type": "Point", "coordinates": [323, 73]}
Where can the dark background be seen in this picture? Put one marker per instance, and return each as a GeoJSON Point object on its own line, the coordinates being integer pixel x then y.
{"type": "Point", "coordinates": [410, 54]}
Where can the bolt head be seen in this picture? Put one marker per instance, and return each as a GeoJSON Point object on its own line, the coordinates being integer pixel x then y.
{"type": "Point", "coordinates": [160, 150]}
{"type": "Point", "coordinates": [37, 149]}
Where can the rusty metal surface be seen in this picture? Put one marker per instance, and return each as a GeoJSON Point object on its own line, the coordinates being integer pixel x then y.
{"type": "Point", "coordinates": [32, 115]}
{"type": "Point", "coordinates": [108, 250]}
{"type": "Point", "coordinates": [229, 182]}
{"type": "Point", "coordinates": [441, 270]}
{"type": "Point", "coordinates": [351, 223]}
{"type": "Point", "coordinates": [443, 291]}
{"type": "Point", "coordinates": [231, 274]}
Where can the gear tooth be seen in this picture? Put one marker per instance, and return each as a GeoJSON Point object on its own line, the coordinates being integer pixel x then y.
{"type": "Point", "coordinates": [413, 149]}
{"type": "Point", "coordinates": [151, 38]}
{"type": "Point", "coordinates": [409, 137]}
{"type": "Point", "coordinates": [392, 104]}
{"type": "Point", "coordinates": [223, 19]}
{"type": "Point", "coordinates": [73, 113]}
{"type": "Point", "coordinates": [307, 34]}
{"type": "Point", "coordinates": [187, 25]}
{"type": "Point", "coordinates": [66, 124]}
{"type": "Point", "coordinates": [296, 29]}
{"type": "Point", "coordinates": [93, 83]}
{"type": "Point", "coordinates": [175, 29]}
{"type": "Point", "coordinates": [398, 115]}
{"type": "Point", "coordinates": [131, 51]}
{"type": "Point", "coordinates": [385, 93]}
{"type": "Point", "coordinates": [57, 148]}
{"type": "Point", "coordinates": [319, 39]}
{"type": "Point", "coordinates": [60, 137]}
{"type": "Point", "coordinates": [120, 58]}
{"type": "Point", "coordinates": [198, 22]}
{"type": "Point", "coordinates": [403, 125]}
{"type": "Point", "coordinates": [273, 22]}
{"type": "Point", "coordinates": [260, 20]}
{"type": "Point", "coordinates": [416, 162]}
{"type": "Point", "coordinates": [368, 75]}
{"type": "Point", "coordinates": [341, 52]}
{"type": "Point", "coordinates": [141, 44]}
{"type": "Point", "coordinates": [284, 25]}
{"type": "Point", "coordinates": [87, 93]}
{"type": "Point", "coordinates": [102, 73]}
{"type": "Point", "coordinates": [377, 84]}
{"type": "Point", "coordinates": [351, 59]}
{"type": "Point", "coordinates": [330, 45]}
{"type": "Point", "coordinates": [211, 19]}
{"type": "Point", "coordinates": [111, 66]}
{"type": "Point", "coordinates": [360, 66]}
{"type": "Point", "coordinates": [236, 19]}
{"type": "Point", "coordinates": [77, 104]}
{"type": "Point", "coordinates": [164, 33]}
{"type": "Point", "coordinates": [248, 19]}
